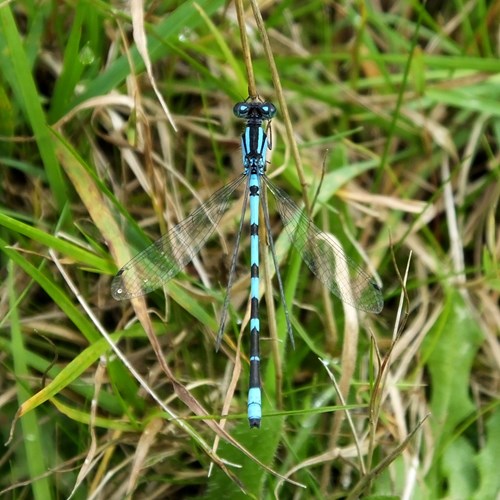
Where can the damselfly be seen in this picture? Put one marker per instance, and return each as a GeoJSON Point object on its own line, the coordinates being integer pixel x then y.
{"type": "Point", "coordinates": [162, 260]}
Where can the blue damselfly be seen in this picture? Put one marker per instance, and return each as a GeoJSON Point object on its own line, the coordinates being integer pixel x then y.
{"type": "Point", "coordinates": [163, 259]}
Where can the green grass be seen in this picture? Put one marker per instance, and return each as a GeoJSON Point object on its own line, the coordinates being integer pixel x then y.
{"type": "Point", "coordinates": [401, 110]}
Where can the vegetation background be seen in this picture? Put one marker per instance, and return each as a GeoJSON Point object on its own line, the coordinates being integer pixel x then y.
{"type": "Point", "coordinates": [396, 103]}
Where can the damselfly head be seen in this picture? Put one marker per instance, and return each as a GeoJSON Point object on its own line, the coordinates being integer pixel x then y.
{"type": "Point", "coordinates": [254, 109]}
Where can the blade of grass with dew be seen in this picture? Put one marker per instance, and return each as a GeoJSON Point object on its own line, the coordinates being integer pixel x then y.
{"type": "Point", "coordinates": [184, 18]}
{"type": "Point", "coordinates": [73, 68]}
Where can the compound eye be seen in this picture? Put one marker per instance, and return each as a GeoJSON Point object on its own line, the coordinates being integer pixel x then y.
{"type": "Point", "coordinates": [268, 110]}
{"type": "Point", "coordinates": [241, 109]}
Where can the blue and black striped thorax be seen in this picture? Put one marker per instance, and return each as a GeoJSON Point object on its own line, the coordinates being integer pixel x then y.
{"type": "Point", "coordinates": [254, 139]}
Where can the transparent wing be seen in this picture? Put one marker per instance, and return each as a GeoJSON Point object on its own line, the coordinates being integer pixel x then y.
{"type": "Point", "coordinates": [164, 258]}
{"type": "Point", "coordinates": [325, 257]}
